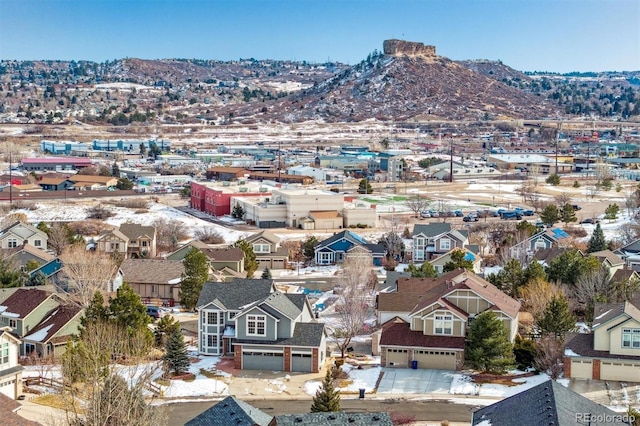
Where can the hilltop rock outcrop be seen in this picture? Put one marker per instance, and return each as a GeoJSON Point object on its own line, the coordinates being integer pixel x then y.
{"type": "Point", "coordinates": [398, 48]}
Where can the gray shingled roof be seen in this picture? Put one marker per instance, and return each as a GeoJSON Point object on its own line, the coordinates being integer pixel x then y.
{"type": "Point", "coordinates": [335, 418]}
{"type": "Point", "coordinates": [431, 229]}
{"type": "Point", "coordinates": [307, 334]}
{"type": "Point", "coordinates": [135, 231]}
{"type": "Point", "coordinates": [231, 411]}
{"type": "Point", "coordinates": [549, 403]}
{"type": "Point", "coordinates": [237, 293]}
{"type": "Point", "coordinates": [282, 304]}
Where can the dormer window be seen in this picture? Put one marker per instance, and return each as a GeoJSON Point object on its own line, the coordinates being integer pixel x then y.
{"type": "Point", "coordinates": [256, 325]}
{"type": "Point", "coordinates": [443, 324]}
{"type": "Point", "coordinates": [445, 244]}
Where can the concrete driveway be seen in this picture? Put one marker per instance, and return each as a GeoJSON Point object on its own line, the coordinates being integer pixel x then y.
{"type": "Point", "coordinates": [405, 380]}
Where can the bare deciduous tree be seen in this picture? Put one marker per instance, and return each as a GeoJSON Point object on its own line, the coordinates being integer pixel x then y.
{"type": "Point", "coordinates": [352, 308]}
{"type": "Point", "coordinates": [537, 294]}
{"type": "Point", "coordinates": [170, 233]}
{"type": "Point", "coordinates": [416, 204]}
{"type": "Point", "coordinates": [208, 235]}
{"type": "Point", "coordinates": [562, 199]}
{"type": "Point", "coordinates": [11, 218]}
{"type": "Point", "coordinates": [88, 272]}
{"type": "Point", "coordinates": [549, 356]}
{"type": "Point", "coordinates": [628, 233]}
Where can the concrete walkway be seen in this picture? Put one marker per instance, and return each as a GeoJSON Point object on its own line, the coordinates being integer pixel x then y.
{"type": "Point", "coordinates": [406, 381]}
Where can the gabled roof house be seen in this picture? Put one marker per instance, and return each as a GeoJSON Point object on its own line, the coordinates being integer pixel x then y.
{"type": "Point", "coordinates": [19, 233]}
{"type": "Point", "coordinates": [426, 319]}
{"type": "Point", "coordinates": [336, 249]}
{"type": "Point", "coordinates": [261, 327]}
{"type": "Point", "coordinates": [435, 239]}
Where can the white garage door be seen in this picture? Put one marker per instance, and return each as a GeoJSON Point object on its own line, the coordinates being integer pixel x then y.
{"type": "Point", "coordinates": [8, 387]}
{"type": "Point", "coordinates": [620, 370]}
{"type": "Point", "coordinates": [397, 358]}
{"type": "Point", "coordinates": [439, 360]}
{"type": "Point", "coordinates": [581, 369]}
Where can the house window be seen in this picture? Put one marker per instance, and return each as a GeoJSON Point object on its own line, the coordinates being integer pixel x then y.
{"type": "Point", "coordinates": [145, 244]}
{"type": "Point", "coordinates": [4, 353]}
{"type": "Point", "coordinates": [13, 323]}
{"type": "Point", "coordinates": [445, 244]}
{"type": "Point", "coordinates": [631, 338]}
{"type": "Point", "coordinates": [12, 242]}
{"type": "Point", "coordinates": [153, 289]}
{"type": "Point", "coordinates": [115, 246]}
{"type": "Point", "coordinates": [212, 317]}
{"type": "Point", "coordinates": [261, 248]}
{"type": "Point", "coordinates": [256, 325]}
{"type": "Point", "coordinates": [419, 242]}
{"type": "Point", "coordinates": [443, 324]}
{"type": "Point", "coordinates": [540, 244]}
{"type": "Point", "coordinates": [232, 315]}
{"type": "Point", "coordinates": [37, 243]}
{"type": "Point", "coordinates": [212, 340]}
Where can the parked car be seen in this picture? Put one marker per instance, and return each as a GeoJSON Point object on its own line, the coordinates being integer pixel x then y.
{"type": "Point", "coordinates": [155, 312]}
{"type": "Point", "coordinates": [528, 212]}
{"type": "Point", "coordinates": [425, 214]}
{"type": "Point", "coordinates": [576, 207]}
{"type": "Point", "coordinates": [591, 220]}
{"type": "Point", "coordinates": [470, 218]}
{"type": "Point", "coordinates": [458, 213]}
{"type": "Point", "coordinates": [511, 215]}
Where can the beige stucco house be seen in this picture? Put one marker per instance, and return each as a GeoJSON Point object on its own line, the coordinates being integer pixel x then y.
{"type": "Point", "coordinates": [156, 281]}
{"type": "Point", "coordinates": [269, 254]}
{"type": "Point", "coordinates": [612, 350]}
{"type": "Point", "coordinates": [426, 319]}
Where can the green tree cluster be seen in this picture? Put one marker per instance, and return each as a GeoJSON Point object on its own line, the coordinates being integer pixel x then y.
{"type": "Point", "coordinates": [426, 270]}
{"type": "Point", "coordinates": [250, 261]}
{"type": "Point", "coordinates": [557, 318]}
{"type": "Point", "coordinates": [597, 242]}
{"type": "Point", "coordinates": [458, 260]}
{"type": "Point", "coordinates": [364, 187]}
{"type": "Point", "coordinates": [176, 359]}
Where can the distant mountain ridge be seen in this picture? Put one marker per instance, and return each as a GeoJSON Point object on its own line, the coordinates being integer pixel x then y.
{"type": "Point", "coordinates": [407, 81]}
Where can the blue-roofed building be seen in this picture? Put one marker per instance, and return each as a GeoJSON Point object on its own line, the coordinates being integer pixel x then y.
{"type": "Point", "coordinates": [338, 247]}
{"type": "Point", "coordinates": [63, 147]}
{"type": "Point", "coordinates": [546, 239]}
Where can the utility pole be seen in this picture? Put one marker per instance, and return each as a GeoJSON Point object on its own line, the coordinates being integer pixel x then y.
{"type": "Point", "coordinates": [451, 162]}
{"type": "Point", "coordinates": [10, 181]}
{"type": "Point", "coordinates": [279, 161]}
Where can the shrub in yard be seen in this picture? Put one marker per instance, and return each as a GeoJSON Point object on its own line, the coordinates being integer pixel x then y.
{"type": "Point", "coordinates": [88, 227]}
{"type": "Point", "coordinates": [99, 212]}
{"type": "Point", "coordinates": [133, 203]}
{"type": "Point", "coordinates": [208, 235]}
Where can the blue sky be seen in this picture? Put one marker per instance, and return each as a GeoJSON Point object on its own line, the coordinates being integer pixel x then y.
{"type": "Point", "coordinates": [529, 35]}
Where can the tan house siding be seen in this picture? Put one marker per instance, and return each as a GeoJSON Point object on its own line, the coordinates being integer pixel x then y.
{"type": "Point", "coordinates": [468, 301]}
{"type": "Point", "coordinates": [615, 340]}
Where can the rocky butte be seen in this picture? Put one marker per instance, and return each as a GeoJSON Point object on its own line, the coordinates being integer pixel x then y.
{"type": "Point", "coordinates": [400, 48]}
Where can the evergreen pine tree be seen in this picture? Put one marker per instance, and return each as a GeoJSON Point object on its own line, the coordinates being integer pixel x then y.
{"type": "Point", "coordinates": [250, 262]}
{"type": "Point", "coordinates": [568, 214]}
{"type": "Point", "coordinates": [266, 274]}
{"type": "Point", "coordinates": [237, 212]}
{"type": "Point", "coordinates": [96, 311]}
{"type": "Point", "coordinates": [176, 360]}
{"type": "Point", "coordinates": [557, 319]}
{"type": "Point", "coordinates": [115, 170]}
{"type": "Point", "coordinates": [165, 328]}
{"type": "Point", "coordinates": [364, 187]}
{"type": "Point", "coordinates": [489, 346]}
{"type": "Point", "coordinates": [458, 260]}
{"type": "Point", "coordinates": [550, 215]}
{"type": "Point", "coordinates": [327, 398]}
{"type": "Point", "coordinates": [597, 241]}
{"type": "Point", "coordinates": [196, 272]}
{"type": "Point", "coordinates": [127, 310]}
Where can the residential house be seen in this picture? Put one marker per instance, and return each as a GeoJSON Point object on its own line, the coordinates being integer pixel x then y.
{"type": "Point", "coordinates": [131, 239]}
{"type": "Point", "coordinates": [226, 263]}
{"type": "Point", "coordinates": [338, 247]}
{"type": "Point", "coordinates": [263, 328]}
{"type": "Point", "coordinates": [546, 239]}
{"type": "Point", "coordinates": [24, 309]}
{"type": "Point", "coordinates": [18, 233]}
{"type": "Point", "coordinates": [182, 251]}
{"type": "Point", "coordinates": [546, 256]}
{"type": "Point", "coordinates": [609, 260]}
{"type": "Point", "coordinates": [435, 239]}
{"type": "Point", "coordinates": [426, 319]}
{"type": "Point", "coordinates": [49, 337]}
{"type": "Point", "coordinates": [55, 184]}
{"type": "Point", "coordinates": [269, 254]}
{"type": "Point", "coordinates": [232, 411]}
{"type": "Point", "coordinates": [470, 253]}
{"type": "Point", "coordinates": [10, 369]}
{"type": "Point", "coordinates": [612, 350]}
{"type": "Point", "coordinates": [548, 403]}
{"type": "Point", "coordinates": [156, 281]}
{"type": "Point", "coordinates": [630, 254]}
{"type": "Point", "coordinates": [25, 253]}
{"type": "Point", "coordinates": [84, 182]}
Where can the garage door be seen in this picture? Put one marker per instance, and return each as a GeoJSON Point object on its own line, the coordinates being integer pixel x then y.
{"type": "Point", "coordinates": [581, 369]}
{"type": "Point", "coordinates": [397, 358]}
{"type": "Point", "coordinates": [262, 361]}
{"type": "Point", "coordinates": [8, 387]}
{"type": "Point", "coordinates": [622, 371]}
{"type": "Point", "coordinates": [301, 363]}
{"type": "Point", "coordinates": [439, 360]}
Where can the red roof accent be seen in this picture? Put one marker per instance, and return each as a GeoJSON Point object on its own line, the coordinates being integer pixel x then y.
{"type": "Point", "coordinates": [397, 333]}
